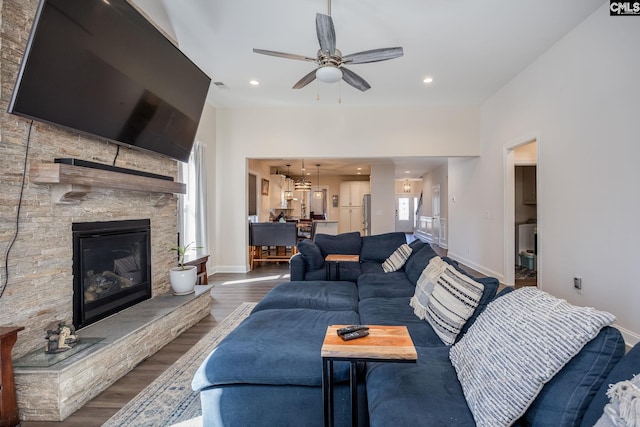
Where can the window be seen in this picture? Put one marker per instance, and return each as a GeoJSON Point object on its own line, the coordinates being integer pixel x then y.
{"type": "Point", "coordinates": [193, 205]}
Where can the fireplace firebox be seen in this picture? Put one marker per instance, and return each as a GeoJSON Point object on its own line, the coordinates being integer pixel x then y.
{"type": "Point", "coordinates": [111, 268]}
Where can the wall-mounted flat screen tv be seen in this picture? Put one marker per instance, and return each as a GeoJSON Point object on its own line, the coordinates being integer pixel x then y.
{"type": "Point", "coordinates": [100, 68]}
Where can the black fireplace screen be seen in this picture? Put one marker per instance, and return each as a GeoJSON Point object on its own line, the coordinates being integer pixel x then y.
{"type": "Point", "coordinates": [111, 268]}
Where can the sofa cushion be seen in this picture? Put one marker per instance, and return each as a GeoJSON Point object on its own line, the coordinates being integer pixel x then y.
{"type": "Point", "coordinates": [452, 302]}
{"type": "Point", "coordinates": [371, 267]}
{"type": "Point", "coordinates": [312, 256]}
{"type": "Point", "coordinates": [417, 262]}
{"type": "Point", "coordinates": [317, 295]}
{"type": "Point", "coordinates": [491, 286]}
{"type": "Point", "coordinates": [563, 401]}
{"type": "Point", "coordinates": [397, 312]}
{"type": "Point", "coordinates": [397, 259]}
{"type": "Point", "coordinates": [255, 354]}
{"type": "Point", "coordinates": [379, 247]}
{"type": "Point", "coordinates": [425, 393]}
{"type": "Point", "coordinates": [319, 274]}
{"type": "Point", "coordinates": [384, 285]}
{"type": "Point", "coordinates": [624, 369]}
{"type": "Point", "coordinates": [417, 244]}
{"type": "Point", "coordinates": [533, 335]}
{"type": "Point", "coordinates": [250, 405]}
{"type": "Point", "coordinates": [349, 271]}
{"type": "Point", "coordinates": [341, 244]}
{"type": "Point", "coordinates": [425, 285]}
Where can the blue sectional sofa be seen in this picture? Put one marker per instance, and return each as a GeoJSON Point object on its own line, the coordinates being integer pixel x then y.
{"type": "Point", "coordinates": [268, 371]}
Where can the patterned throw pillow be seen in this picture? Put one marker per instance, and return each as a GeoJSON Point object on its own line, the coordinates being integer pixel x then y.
{"type": "Point", "coordinates": [515, 347]}
{"type": "Point", "coordinates": [397, 259]}
{"type": "Point", "coordinates": [425, 285]}
{"type": "Point", "coordinates": [453, 300]}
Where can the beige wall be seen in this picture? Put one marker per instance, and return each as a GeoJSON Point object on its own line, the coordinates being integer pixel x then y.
{"type": "Point", "coordinates": [39, 289]}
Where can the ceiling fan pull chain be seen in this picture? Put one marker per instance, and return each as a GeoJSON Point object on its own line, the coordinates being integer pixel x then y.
{"type": "Point", "coordinates": [340, 92]}
{"type": "Point", "coordinates": [318, 91]}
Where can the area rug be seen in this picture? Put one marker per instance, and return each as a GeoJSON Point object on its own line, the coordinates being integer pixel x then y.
{"type": "Point", "coordinates": [169, 399]}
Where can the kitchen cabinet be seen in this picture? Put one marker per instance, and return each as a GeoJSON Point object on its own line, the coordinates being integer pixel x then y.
{"type": "Point", "coordinates": [352, 192]}
{"type": "Point", "coordinates": [351, 219]}
{"type": "Point", "coordinates": [276, 193]}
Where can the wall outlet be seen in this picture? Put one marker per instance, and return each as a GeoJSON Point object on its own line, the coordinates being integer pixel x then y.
{"type": "Point", "coordinates": [577, 284]}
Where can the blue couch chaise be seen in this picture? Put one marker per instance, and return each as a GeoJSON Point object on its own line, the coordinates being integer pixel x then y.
{"type": "Point", "coordinates": [268, 371]}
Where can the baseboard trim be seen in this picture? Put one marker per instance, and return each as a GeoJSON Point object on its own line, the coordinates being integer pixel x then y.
{"type": "Point", "coordinates": [630, 338]}
{"type": "Point", "coordinates": [230, 269]}
{"type": "Point", "coordinates": [475, 266]}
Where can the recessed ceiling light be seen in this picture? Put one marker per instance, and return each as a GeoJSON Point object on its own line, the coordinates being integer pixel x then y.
{"type": "Point", "coordinates": [407, 171]}
{"type": "Point", "coordinates": [428, 80]}
{"type": "Point", "coordinates": [254, 82]}
{"type": "Point", "coordinates": [359, 169]}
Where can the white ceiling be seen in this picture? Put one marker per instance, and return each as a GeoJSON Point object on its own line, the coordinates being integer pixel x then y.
{"type": "Point", "coordinates": [471, 48]}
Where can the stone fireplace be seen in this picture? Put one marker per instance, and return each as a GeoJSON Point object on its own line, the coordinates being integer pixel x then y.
{"type": "Point", "coordinates": [111, 268]}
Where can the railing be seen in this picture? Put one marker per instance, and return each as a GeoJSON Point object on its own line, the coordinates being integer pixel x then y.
{"type": "Point", "coordinates": [432, 230]}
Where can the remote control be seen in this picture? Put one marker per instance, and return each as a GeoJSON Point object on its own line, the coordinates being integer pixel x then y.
{"type": "Point", "coordinates": [351, 328]}
{"type": "Point", "coordinates": [353, 335]}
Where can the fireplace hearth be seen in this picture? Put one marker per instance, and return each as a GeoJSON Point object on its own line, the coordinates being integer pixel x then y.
{"type": "Point", "coordinates": [111, 268]}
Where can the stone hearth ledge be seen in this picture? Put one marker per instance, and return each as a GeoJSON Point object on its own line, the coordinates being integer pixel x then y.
{"type": "Point", "coordinates": [129, 337]}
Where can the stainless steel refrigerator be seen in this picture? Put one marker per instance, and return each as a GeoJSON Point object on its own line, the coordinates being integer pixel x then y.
{"type": "Point", "coordinates": [366, 214]}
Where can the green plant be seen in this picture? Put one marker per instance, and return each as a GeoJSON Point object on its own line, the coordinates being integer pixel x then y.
{"type": "Point", "coordinates": [182, 250]}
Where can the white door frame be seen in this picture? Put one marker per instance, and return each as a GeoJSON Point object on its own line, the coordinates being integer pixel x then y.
{"type": "Point", "coordinates": [509, 243]}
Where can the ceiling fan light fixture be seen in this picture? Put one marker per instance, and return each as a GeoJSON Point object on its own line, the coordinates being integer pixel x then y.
{"type": "Point", "coordinates": [329, 74]}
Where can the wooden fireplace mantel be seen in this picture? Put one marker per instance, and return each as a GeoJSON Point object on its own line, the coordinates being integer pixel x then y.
{"type": "Point", "coordinates": [72, 183]}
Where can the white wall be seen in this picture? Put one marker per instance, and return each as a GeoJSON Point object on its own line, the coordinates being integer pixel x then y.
{"type": "Point", "coordinates": [383, 198]}
{"type": "Point", "coordinates": [338, 132]}
{"type": "Point", "coordinates": [581, 99]}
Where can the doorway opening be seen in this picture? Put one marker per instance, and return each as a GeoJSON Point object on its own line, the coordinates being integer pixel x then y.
{"type": "Point", "coordinates": [521, 214]}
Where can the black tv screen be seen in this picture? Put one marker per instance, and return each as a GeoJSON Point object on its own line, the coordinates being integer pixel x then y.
{"type": "Point", "coordinates": [99, 67]}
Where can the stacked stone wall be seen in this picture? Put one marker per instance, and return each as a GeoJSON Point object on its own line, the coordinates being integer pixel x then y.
{"type": "Point", "coordinates": [40, 288]}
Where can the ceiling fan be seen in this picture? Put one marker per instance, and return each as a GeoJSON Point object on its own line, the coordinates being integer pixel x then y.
{"type": "Point", "coordinates": [330, 61]}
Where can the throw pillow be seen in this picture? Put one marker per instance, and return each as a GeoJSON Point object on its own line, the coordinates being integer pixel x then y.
{"type": "Point", "coordinates": [515, 347]}
{"type": "Point", "coordinates": [397, 259]}
{"type": "Point", "coordinates": [312, 256]}
{"type": "Point", "coordinates": [453, 300]}
{"type": "Point", "coordinates": [623, 408]}
{"type": "Point", "coordinates": [425, 285]}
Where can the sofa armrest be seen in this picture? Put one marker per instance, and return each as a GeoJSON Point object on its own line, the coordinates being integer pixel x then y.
{"type": "Point", "coordinates": [297, 267]}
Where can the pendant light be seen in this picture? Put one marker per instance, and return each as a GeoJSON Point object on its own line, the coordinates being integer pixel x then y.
{"type": "Point", "coordinates": [288, 194]}
{"type": "Point", "coordinates": [406, 187]}
{"type": "Point", "coordinates": [318, 193]}
{"type": "Point", "coordinates": [301, 184]}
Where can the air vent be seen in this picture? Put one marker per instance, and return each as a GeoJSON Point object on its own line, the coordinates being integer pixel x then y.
{"type": "Point", "coordinates": [221, 85]}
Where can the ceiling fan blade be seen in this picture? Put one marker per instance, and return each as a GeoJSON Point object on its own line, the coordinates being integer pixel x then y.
{"type": "Point", "coordinates": [326, 34]}
{"type": "Point", "coordinates": [305, 80]}
{"type": "Point", "coordinates": [374, 55]}
{"type": "Point", "coordinates": [284, 55]}
{"type": "Point", "coordinates": [354, 80]}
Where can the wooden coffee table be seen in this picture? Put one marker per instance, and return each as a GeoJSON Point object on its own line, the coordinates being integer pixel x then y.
{"type": "Point", "coordinates": [337, 259]}
{"type": "Point", "coordinates": [384, 344]}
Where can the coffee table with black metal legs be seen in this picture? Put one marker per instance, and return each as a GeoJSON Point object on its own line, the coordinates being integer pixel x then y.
{"type": "Point", "coordinates": [336, 259]}
{"type": "Point", "coordinates": [384, 344]}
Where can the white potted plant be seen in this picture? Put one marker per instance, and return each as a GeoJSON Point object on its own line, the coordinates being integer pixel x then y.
{"type": "Point", "coordinates": [183, 277]}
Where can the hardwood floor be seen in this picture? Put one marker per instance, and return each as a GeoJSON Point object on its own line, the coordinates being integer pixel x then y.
{"type": "Point", "coordinates": [230, 290]}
